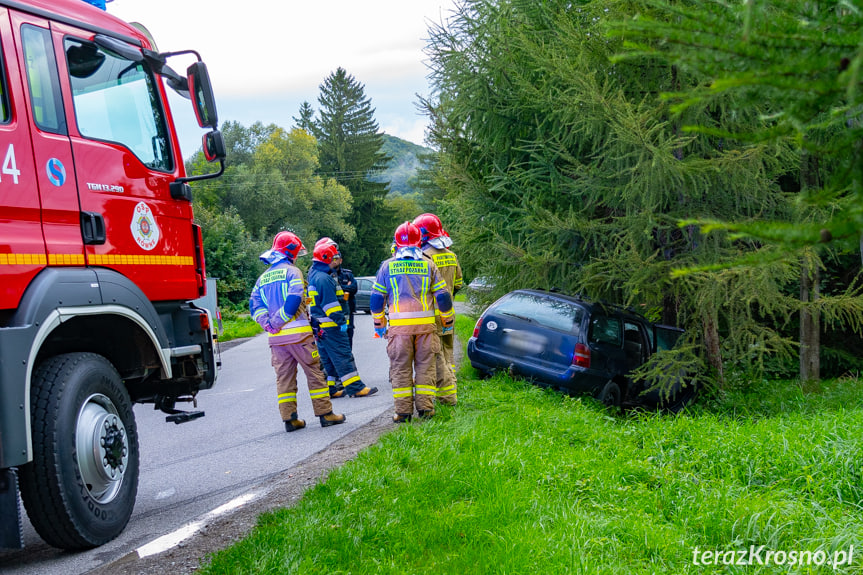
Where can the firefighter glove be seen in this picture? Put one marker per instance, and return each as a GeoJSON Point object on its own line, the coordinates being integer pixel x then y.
{"type": "Point", "coordinates": [381, 331]}
{"type": "Point", "coordinates": [320, 333]}
{"type": "Point", "coordinates": [343, 327]}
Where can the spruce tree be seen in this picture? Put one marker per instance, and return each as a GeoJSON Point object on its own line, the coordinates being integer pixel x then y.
{"type": "Point", "coordinates": [350, 151]}
{"type": "Point", "coordinates": [306, 120]}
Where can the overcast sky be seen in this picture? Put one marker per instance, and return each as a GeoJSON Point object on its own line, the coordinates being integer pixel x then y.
{"type": "Point", "coordinates": [266, 57]}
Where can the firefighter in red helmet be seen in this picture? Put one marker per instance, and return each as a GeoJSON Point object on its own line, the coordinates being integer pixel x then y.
{"type": "Point", "coordinates": [434, 245]}
{"type": "Point", "coordinates": [278, 304]}
{"type": "Point", "coordinates": [411, 288]}
{"type": "Point", "coordinates": [330, 319]}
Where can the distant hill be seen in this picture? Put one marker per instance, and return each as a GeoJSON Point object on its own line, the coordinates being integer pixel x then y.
{"type": "Point", "coordinates": [403, 166]}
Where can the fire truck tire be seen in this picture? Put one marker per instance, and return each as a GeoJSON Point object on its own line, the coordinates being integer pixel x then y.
{"type": "Point", "coordinates": [80, 488]}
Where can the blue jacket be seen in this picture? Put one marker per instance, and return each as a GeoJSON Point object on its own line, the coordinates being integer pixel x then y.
{"type": "Point", "coordinates": [326, 296]}
{"type": "Point", "coordinates": [278, 305]}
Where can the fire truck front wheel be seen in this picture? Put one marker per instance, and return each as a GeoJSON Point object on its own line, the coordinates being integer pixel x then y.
{"type": "Point", "coordinates": [80, 488]}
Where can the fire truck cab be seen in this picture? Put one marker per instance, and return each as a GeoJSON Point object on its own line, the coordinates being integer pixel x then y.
{"type": "Point", "coordinates": [99, 263]}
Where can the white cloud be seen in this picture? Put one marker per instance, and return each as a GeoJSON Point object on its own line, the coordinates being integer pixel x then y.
{"type": "Point", "coordinates": [260, 53]}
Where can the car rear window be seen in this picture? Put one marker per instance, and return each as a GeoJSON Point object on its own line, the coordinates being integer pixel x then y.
{"type": "Point", "coordinates": [546, 312]}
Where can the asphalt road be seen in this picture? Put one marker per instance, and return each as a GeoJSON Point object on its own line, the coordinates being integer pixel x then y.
{"type": "Point", "coordinates": [190, 470]}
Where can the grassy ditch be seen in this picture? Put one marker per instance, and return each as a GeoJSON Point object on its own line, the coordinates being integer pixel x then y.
{"type": "Point", "coordinates": [517, 479]}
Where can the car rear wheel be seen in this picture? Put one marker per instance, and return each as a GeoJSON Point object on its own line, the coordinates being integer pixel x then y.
{"type": "Point", "coordinates": [610, 395]}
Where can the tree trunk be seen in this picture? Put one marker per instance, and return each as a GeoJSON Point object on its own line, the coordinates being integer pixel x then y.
{"type": "Point", "coordinates": [711, 343]}
{"type": "Point", "coordinates": [810, 325]}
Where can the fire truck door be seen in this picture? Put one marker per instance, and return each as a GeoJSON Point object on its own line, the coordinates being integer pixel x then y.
{"type": "Point", "coordinates": [51, 149]}
{"type": "Point", "coordinates": [22, 248]}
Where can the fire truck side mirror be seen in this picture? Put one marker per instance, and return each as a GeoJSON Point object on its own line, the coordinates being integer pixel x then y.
{"type": "Point", "coordinates": [202, 96]}
{"type": "Point", "coordinates": [214, 146]}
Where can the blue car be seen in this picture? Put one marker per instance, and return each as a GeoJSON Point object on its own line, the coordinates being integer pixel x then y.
{"type": "Point", "coordinates": [574, 345]}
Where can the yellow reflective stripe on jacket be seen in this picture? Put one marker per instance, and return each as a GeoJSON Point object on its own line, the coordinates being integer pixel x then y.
{"type": "Point", "coordinates": [439, 286]}
{"type": "Point", "coordinates": [412, 321]}
{"type": "Point", "coordinates": [395, 289]}
{"type": "Point", "coordinates": [259, 313]}
{"type": "Point", "coordinates": [379, 288]}
{"type": "Point", "coordinates": [332, 308]}
{"type": "Point", "coordinates": [292, 330]}
{"type": "Point", "coordinates": [411, 314]}
{"type": "Point", "coordinates": [402, 392]}
{"type": "Point", "coordinates": [327, 323]}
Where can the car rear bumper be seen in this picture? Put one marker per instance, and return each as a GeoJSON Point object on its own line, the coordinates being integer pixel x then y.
{"type": "Point", "coordinates": [572, 378]}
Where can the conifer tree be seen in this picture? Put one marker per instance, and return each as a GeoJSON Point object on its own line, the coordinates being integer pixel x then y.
{"type": "Point", "coordinates": [350, 150]}
{"type": "Point", "coordinates": [564, 167]}
{"type": "Point", "coordinates": [306, 120]}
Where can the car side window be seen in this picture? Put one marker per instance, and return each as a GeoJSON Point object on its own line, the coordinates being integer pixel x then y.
{"type": "Point", "coordinates": [604, 329]}
{"type": "Point", "coordinates": [633, 341]}
{"type": "Point", "coordinates": [364, 285]}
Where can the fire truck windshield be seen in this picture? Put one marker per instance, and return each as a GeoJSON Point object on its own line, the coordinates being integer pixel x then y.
{"type": "Point", "coordinates": [116, 100]}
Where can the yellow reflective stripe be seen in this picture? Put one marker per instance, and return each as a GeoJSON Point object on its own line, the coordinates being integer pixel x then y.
{"type": "Point", "coordinates": [411, 314]}
{"type": "Point", "coordinates": [424, 289]}
{"type": "Point", "coordinates": [259, 313]}
{"type": "Point", "coordinates": [446, 390]}
{"type": "Point", "coordinates": [288, 398]}
{"type": "Point", "coordinates": [122, 259]}
{"type": "Point", "coordinates": [402, 391]}
{"type": "Point", "coordinates": [448, 314]}
{"type": "Point", "coordinates": [395, 289]}
{"type": "Point", "coordinates": [333, 307]}
{"type": "Point", "coordinates": [296, 281]}
{"type": "Point", "coordinates": [426, 390]}
{"type": "Point", "coordinates": [347, 382]}
{"type": "Point", "coordinates": [439, 286]}
{"type": "Point", "coordinates": [327, 323]}
{"type": "Point", "coordinates": [413, 321]}
{"type": "Point", "coordinates": [293, 330]}
{"type": "Point", "coordinates": [379, 288]}
{"type": "Point", "coordinates": [379, 315]}
{"type": "Point", "coordinates": [319, 393]}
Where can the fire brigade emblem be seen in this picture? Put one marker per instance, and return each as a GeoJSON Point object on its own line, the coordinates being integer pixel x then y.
{"type": "Point", "coordinates": [144, 228]}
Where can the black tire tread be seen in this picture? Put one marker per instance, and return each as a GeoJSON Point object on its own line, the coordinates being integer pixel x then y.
{"type": "Point", "coordinates": [40, 480]}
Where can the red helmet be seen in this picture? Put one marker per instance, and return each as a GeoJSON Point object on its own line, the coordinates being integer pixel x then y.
{"type": "Point", "coordinates": [289, 244]}
{"type": "Point", "coordinates": [325, 251]}
{"type": "Point", "coordinates": [408, 236]}
{"type": "Point", "coordinates": [429, 225]}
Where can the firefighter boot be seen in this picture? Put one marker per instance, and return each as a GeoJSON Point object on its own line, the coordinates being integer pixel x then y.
{"type": "Point", "coordinates": [337, 392]}
{"type": "Point", "coordinates": [294, 423]}
{"type": "Point", "coordinates": [331, 418]}
{"type": "Point", "coordinates": [366, 391]}
{"type": "Point", "coordinates": [402, 417]}
{"type": "Point", "coordinates": [425, 413]}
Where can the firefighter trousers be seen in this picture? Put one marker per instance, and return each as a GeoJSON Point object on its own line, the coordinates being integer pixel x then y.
{"type": "Point", "coordinates": [444, 368]}
{"type": "Point", "coordinates": [338, 359]}
{"type": "Point", "coordinates": [285, 359]}
{"type": "Point", "coordinates": [409, 354]}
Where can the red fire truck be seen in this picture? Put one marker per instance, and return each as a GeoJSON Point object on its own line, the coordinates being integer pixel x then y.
{"type": "Point", "coordinates": [99, 263]}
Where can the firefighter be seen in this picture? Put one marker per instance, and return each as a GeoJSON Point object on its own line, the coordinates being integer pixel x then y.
{"type": "Point", "coordinates": [348, 283]}
{"type": "Point", "coordinates": [331, 322]}
{"type": "Point", "coordinates": [434, 245]}
{"type": "Point", "coordinates": [411, 288]}
{"type": "Point", "coordinates": [277, 303]}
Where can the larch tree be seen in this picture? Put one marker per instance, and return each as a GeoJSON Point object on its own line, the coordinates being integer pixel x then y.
{"type": "Point", "coordinates": [565, 168]}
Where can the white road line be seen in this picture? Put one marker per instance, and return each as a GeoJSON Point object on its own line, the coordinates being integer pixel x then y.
{"type": "Point", "coordinates": [174, 538]}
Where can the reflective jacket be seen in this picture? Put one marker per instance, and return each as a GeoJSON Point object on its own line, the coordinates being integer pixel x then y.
{"type": "Point", "coordinates": [412, 290]}
{"type": "Point", "coordinates": [326, 296]}
{"type": "Point", "coordinates": [277, 303]}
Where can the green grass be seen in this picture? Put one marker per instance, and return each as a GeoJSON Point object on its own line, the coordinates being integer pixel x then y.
{"type": "Point", "coordinates": [237, 327]}
{"type": "Point", "coordinates": [517, 479]}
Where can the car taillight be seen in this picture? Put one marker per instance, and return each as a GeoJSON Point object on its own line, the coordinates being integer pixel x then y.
{"type": "Point", "coordinates": [477, 326]}
{"type": "Point", "coordinates": [581, 356]}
